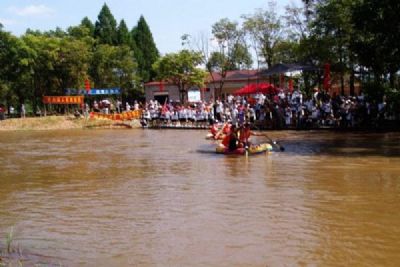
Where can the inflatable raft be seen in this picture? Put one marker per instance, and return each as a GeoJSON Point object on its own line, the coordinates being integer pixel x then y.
{"type": "Point", "coordinates": [255, 149]}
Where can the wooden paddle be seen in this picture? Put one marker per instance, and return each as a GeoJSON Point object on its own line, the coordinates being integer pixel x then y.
{"type": "Point", "coordinates": [220, 131]}
{"type": "Point", "coordinates": [273, 143]}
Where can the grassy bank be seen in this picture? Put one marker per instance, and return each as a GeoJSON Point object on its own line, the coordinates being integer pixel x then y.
{"type": "Point", "coordinates": [61, 123]}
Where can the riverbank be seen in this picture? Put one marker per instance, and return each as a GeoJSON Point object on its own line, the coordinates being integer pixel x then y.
{"type": "Point", "coordinates": [61, 123]}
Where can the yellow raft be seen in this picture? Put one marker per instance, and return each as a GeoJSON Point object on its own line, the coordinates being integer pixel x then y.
{"type": "Point", "coordinates": [254, 149]}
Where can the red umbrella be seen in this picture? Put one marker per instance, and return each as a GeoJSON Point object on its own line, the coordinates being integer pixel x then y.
{"type": "Point", "coordinates": [255, 88]}
{"type": "Point", "coordinates": [245, 90]}
{"type": "Point", "coordinates": [267, 88]}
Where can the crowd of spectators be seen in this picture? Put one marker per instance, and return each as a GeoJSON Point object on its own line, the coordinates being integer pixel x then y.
{"type": "Point", "coordinates": [285, 110]}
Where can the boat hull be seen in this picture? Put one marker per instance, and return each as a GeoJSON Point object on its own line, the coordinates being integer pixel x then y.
{"type": "Point", "coordinates": [255, 149]}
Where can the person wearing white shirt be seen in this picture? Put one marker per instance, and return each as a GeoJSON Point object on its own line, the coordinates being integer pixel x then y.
{"type": "Point", "coordinates": [136, 105]}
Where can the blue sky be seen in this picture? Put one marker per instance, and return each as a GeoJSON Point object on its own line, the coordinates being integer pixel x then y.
{"type": "Point", "coordinates": [168, 19]}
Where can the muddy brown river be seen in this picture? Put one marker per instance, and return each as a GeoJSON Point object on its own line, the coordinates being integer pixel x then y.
{"type": "Point", "coordinates": [163, 198]}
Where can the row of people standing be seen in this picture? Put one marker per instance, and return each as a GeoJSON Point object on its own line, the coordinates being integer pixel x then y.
{"type": "Point", "coordinates": [109, 107]}
{"type": "Point", "coordinates": [12, 112]}
{"type": "Point", "coordinates": [291, 110]}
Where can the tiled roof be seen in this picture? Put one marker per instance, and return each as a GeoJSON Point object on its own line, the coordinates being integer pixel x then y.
{"type": "Point", "coordinates": [155, 83]}
{"type": "Point", "coordinates": [235, 75]}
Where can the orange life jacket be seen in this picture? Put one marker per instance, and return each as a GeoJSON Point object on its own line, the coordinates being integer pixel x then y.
{"type": "Point", "coordinates": [244, 135]}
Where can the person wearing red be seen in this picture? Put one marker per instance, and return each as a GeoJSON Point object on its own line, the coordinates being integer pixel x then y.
{"type": "Point", "coordinates": [230, 140]}
{"type": "Point", "coordinates": [245, 133]}
{"type": "Point", "coordinates": [214, 129]}
{"type": "Point", "coordinates": [225, 131]}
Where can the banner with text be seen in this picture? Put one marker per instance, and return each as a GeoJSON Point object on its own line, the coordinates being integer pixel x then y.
{"type": "Point", "coordinates": [63, 99]}
{"type": "Point", "coordinates": [128, 115]}
{"type": "Point", "coordinates": [93, 91]}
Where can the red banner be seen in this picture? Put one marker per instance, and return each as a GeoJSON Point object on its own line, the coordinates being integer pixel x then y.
{"type": "Point", "coordinates": [129, 115]}
{"type": "Point", "coordinates": [281, 81]}
{"type": "Point", "coordinates": [327, 76]}
{"type": "Point", "coordinates": [290, 85]}
{"type": "Point", "coordinates": [64, 100]}
{"type": "Point", "coordinates": [161, 86]}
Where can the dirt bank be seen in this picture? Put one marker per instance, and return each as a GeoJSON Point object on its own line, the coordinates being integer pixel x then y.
{"type": "Point", "coordinates": [61, 123]}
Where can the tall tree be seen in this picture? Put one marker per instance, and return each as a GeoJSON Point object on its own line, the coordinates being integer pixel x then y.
{"type": "Point", "coordinates": [85, 30]}
{"type": "Point", "coordinates": [296, 22]}
{"type": "Point", "coordinates": [377, 36]}
{"type": "Point", "coordinates": [86, 22]}
{"type": "Point", "coordinates": [15, 59]}
{"type": "Point", "coordinates": [230, 52]}
{"type": "Point", "coordinates": [113, 66]}
{"type": "Point", "coordinates": [266, 31]}
{"type": "Point", "coordinates": [181, 69]}
{"type": "Point", "coordinates": [45, 56]}
{"type": "Point", "coordinates": [332, 26]}
{"type": "Point", "coordinates": [72, 63]}
{"type": "Point", "coordinates": [123, 34]}
{"type": "Point", "coordinates": [298, 31]}
{"type": "Point", "coordinates": [240, 57]}
{"type": "Point", "coordinates": [226, 51]}
{"type": "Point", "coordinates": [286, 51]}
{"type": "Point", "coordinates": [147, 52]}
{"type": "Point", "coordinates": [106, 27]}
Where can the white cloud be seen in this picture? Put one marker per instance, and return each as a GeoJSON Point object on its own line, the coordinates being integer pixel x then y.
{"type": "Point", "coordinates": [32, 10]}
{"type": "Point", "coordinates": [7, 22]}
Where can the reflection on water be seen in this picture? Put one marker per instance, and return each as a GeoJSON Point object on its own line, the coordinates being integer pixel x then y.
{"type": "Point", "coordinates": [148, 197]}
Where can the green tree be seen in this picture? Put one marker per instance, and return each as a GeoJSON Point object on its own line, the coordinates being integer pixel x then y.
{"type": "Point", "coordinates": [123, 34]}
{"type": "Point", "coordinates": [296, 45]}
{"type": "Point", "coordinates": [46, 52]}
{"type": "Point", "coordinates": [146, 52]}
{"type": "Point", "coordinates": [376, 39]}
{"type": "Point", "coordinates": [230, 51]}
{"type": "Point", "coordinates": [87, 23]}
{"type": "Point", "coordinates": [58, 32]}
{"type": "Point", "coordinates": [15, 59]}
{"type": "Point", "coordinates": [106, 27]}
{"type": "Point", "coordinates": [266, 31]}
{"type": "Point", "coordinates": [286, 51]}
{"type": "Point", "coordinates": [332, 26]}
{"type": "Point", "coordinates": [79, 32]}
{"type": "Point", "coordinates": [56, 64]}
{"type": "Point", "coordinates": [114, 66]}
{"type": "Point", "coordinates": [85, 30]}
{"type": "Point", "coordinates": [240, 57]}
{"type": "Point", "coordinates": [71, 65]}
{"type": "Point", "coordinates": [181, 69]}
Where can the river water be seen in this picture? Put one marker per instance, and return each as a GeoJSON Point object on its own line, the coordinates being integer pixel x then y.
{"type": "Point", "coordinates": [163, 198]}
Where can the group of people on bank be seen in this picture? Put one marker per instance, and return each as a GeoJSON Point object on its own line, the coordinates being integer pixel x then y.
{"type": "Point", "coordinates": [284, 110]}
{"type": "Point", "coordinates": [11, 112]}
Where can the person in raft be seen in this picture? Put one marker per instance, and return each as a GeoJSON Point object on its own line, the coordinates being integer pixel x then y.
{"type": "Point", "coordinates": [245, 133]}
{"type": "Point", "coordinates": [214, 129]}
{"type": "Point", "coordinates": [224, 131]}
{"type": "Point", "coordinates": [231, 140]}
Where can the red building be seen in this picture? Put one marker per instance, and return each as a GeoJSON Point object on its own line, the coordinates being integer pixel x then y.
{"type": "Point", "coordinates": [216, 86]}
